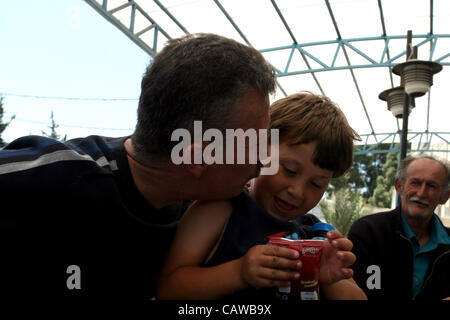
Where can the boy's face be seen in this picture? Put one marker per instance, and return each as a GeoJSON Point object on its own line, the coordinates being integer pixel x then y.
{"type": "Point", "coordinates": [297, 187]}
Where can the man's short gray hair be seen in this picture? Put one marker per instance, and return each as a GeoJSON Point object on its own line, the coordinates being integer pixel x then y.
{"type": "Point", "coordinates": [404, 164]}
{"type": "Point", "coordinates": [196, 77]}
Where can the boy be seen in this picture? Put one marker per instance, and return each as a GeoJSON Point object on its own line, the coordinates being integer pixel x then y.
{"type": "Point", "coordinates": [219, 248]}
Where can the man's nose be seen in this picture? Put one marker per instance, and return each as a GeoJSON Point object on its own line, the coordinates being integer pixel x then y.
{"type": "Point", "coordinates": [422, 189]}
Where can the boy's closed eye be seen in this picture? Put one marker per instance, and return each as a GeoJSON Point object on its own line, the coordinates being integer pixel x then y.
{"type": "Point", "coordinates": [288, 170]}
{"type": "Point", "coordinates": [318, 185]}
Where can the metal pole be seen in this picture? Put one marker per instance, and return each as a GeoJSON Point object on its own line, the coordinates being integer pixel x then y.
{"type": "Point", "coordinates": [404, 139]}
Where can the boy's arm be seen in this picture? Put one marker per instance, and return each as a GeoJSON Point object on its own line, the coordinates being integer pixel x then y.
{"type": "Point", "coordinates": [346, 289]}
{"type": "Point", "coordinates": [198, 232]}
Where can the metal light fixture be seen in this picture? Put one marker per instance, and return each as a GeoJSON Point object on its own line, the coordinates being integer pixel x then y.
{"type": "Point", "coordinates": [416, 79]}
{"type": "Point", "coordinates": [417, 75]}
{"type": "Point", "coordinates": [395, 99]}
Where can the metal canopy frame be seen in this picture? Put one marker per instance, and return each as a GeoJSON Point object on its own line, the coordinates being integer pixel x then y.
{"type": "Point", "coordinates": [383, 58]}
{"type": "Point", "coordinates": [390, 138]}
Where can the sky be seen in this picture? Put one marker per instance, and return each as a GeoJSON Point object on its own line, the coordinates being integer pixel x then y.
{"type": "Point", "coordinates": [64, 49]}
{"type": "Point", "coordinates": [53, 49]}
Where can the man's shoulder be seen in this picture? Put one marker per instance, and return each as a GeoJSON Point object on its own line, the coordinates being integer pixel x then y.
{"type": "Point", "coordinates": [33, 161]}
{"type": "Point", "coordinates": [379, 217]}
{"type": "Point", "coordinates": [32, 152]}
{"type": "Point", "coordinates": [385, 221]}
{"type": "Point", "coordinates": [94, 144]}
{"type": "Point", "coordinates": [29, 146]}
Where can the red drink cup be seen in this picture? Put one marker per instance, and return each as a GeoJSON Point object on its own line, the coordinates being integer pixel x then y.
{"type": "Point", "coordinates": [307, 287]}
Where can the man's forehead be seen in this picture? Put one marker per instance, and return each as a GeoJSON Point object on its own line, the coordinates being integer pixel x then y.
{"type": "Point", "coordinates": [427, 167]}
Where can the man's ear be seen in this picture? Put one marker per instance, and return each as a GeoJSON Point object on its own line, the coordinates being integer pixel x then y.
{"type": "Point", "coordinates": [193, 153]}
{"type": "Point", "coordinates": [196, 169]}
{"type": "Point", "coordinates": [193, 159]}
{"type": "Point", "coordinates": [445, 195]}
{"type": "Point", "coordinates": [398, 187]}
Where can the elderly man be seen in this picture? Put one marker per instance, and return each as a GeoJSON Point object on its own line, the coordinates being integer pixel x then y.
{"type": "Point", "coordinates": [94, 216]}
{"type": "Point", "coordinates": [405, 253]}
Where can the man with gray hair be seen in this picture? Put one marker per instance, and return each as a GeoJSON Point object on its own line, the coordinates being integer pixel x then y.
{"type": "Point", "coordinates": [405, 253]}
{"type": "Point", "coordinates": [94, 216]}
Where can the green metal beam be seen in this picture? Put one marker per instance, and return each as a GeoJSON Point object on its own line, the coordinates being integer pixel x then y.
{"type": "Point", "coordinates": [330, 64]}
{"type": "Point", "coordinates": [351, 44]}
{"type": "Point", "coordinates": [129, 31]}
{"type": "Point", "coordinates": [325, 65]}
{"type": "Point", "coordinates": [422, 139]}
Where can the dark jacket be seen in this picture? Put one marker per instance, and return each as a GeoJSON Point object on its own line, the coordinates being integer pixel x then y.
{"type": "Point", "coordinates": [75, 203]}
{"type": "Point", "coordinates": [379, 240]}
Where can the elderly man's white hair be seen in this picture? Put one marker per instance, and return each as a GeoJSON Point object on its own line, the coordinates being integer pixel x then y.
{"type": "Point", "coordinates": [404, 164]}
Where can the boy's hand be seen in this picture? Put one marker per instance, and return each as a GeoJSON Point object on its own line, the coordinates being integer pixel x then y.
{"type": "Point", "coordinates": [270, 266]}
{"type": "Point", "coordinates": [336, 258]}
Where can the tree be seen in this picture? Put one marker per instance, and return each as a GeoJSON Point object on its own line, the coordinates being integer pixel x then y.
{"type": "Point", "coordinates": [3, 125]}
{"type": "Point", "coordinates": [349, 181]}
{"type": "Point", "coordinates": [382, 196]}
{"type": "Point", "coordinates": [53, 126]}
{"type": "Point", "coordinates": [369, 166]}
{"type": "Point", "coordinates": [344, 208]}
{"type": "Point", "coordinates": [364, 172]}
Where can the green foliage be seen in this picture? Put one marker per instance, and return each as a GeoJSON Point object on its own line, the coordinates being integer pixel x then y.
{"type": "Point", "coordinates": [3, 126]}
{"type": "Point", "coordinates": [370, 180]}
{"type": "Point", "coordinates": [382, 195]}
{"type": "Point", "coordinates": [344, 208]}
{"type": "Point", "coordinates": [363, 174]}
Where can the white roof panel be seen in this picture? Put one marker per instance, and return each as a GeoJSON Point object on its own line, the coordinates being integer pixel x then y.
{"type": "Point", "coordinates": [309, 24]}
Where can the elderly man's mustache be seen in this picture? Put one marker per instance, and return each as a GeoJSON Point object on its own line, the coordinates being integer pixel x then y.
{"type": "Point", "coordinates": [419, 200]}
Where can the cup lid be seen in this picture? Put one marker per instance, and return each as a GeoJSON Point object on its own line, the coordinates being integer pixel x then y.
{"type": "Point", "coordinates": [322, 226]}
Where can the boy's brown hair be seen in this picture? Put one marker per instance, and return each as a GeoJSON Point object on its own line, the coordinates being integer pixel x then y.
{"type": "Point", "coordinates": [306, 117]}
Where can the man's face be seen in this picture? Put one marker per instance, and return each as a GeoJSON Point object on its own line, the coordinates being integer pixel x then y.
{"type": "Point", "coordinates": [423, 189]}
{"type": "Point", "coordinates": [297, 187]}
{"type": "Point", "coordinates": [228, 180]}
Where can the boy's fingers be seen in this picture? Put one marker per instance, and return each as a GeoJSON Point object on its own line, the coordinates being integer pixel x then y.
{"type": "Point", "coordinates": [277, 276]}
{"type": "Point", "coordinates": [347, 273]}
{"type": "Point", "coordinates": [347, 257]}
{"type": "Point", "coordinates": [333, 234]}
{"type": "Point", "coordinates": [281, 252]}
{"type": "Point", "coordinates": [342, 244]}
{"type": "Point", "coordinates": [275, 262]}
{"type": "Point", "coordinates": [280, 258]}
